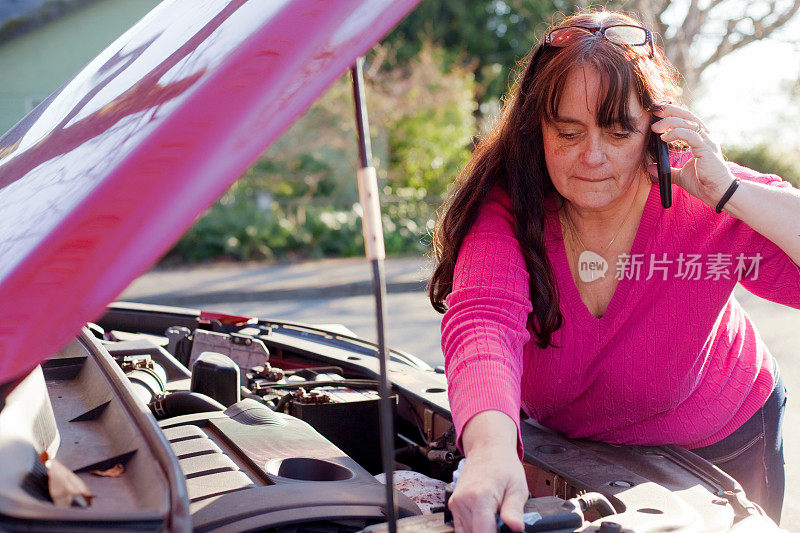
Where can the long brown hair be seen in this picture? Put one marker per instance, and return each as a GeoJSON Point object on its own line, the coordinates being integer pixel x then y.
{"type": "Point", "coordinates": [511, 155]}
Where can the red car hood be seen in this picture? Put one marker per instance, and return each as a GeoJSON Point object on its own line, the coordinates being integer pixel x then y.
{"type": "Point", "coordinates": [106, 174]}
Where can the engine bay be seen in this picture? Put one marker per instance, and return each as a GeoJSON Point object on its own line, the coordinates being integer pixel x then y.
{"type": "Point", "coordinates": [184, 421]}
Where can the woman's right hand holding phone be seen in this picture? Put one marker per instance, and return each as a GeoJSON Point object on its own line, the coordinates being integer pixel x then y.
{"type": "Point", "coordinates": [493, 478]}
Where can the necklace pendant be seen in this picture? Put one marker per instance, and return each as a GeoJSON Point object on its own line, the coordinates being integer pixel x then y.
{"type": "Point", "coordinates": [591, 266]}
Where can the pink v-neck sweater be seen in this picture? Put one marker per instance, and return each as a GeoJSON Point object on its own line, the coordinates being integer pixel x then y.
{"type": "Point", "coordinates": [674, 359]}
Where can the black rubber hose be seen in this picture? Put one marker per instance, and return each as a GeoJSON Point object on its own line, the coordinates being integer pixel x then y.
{"type": "Point", "coordinates": [286, 398]}
{"type": "Point", "coordinates": [183, 403]}
{"type": "Point", "coordinates": [244, 392]}
{"type": "Point", "coordinates": [595, 500]}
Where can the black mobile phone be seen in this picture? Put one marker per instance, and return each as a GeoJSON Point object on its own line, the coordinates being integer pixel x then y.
{"type": "Point", "coordinates": [664, 171]}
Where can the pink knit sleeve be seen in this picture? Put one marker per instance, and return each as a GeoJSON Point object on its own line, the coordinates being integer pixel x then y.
{"type": "Point", "coordinates": [484, 329]}
{"type": "Point", "coordinates": [763, 268]}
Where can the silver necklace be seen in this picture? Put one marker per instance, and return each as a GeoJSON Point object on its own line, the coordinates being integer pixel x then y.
{"type": "Point", "coordinates": [607, 246]}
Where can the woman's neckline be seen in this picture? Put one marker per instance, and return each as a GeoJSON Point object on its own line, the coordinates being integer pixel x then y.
{"type": "Point", "coordinates": [569, 289]}
{"type": "Point", "coordinates": [569, 214]}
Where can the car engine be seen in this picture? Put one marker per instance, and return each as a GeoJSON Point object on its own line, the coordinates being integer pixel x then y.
{"type": "Point", "coordinates": [166, 419]}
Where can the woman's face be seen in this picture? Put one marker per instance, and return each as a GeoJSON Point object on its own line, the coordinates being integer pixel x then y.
{"type": "Point", "coordinates": [594, 168]}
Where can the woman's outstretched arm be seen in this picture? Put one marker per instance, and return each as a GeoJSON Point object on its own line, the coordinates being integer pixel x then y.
{"type": "Point", "coordinates": [774, 212]}
{"type": "Point", "coordinates": [493, 479]}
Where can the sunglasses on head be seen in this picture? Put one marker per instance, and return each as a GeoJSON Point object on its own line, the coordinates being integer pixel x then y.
{"type": "Point", "coordinates": [623, 34]}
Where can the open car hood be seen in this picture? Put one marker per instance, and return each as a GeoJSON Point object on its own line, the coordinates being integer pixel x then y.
{"type": "Point", "coordinates": [105, 175]}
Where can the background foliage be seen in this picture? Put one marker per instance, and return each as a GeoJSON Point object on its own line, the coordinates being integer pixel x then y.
{"type": "Point", "coordinates": [489, 37]}
{"type": "Point", "coordinates": [300, 198]}
{"type": "Point", "coordinates": [432, 86]}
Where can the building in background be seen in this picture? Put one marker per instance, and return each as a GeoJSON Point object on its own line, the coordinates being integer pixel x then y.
{"type": "Point", "coordinates": [43, 43]}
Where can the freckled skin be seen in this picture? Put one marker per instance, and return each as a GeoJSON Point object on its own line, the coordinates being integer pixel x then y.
{"type": "Point", "coordinates": [594, 168]}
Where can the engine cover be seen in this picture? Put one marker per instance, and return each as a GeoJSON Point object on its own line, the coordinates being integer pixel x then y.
{"type": "Point", "coordinates": [251, 467]}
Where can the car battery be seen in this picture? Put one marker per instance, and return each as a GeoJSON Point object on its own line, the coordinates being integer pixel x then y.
{"type": "Point", "coordinates": [339, 413]}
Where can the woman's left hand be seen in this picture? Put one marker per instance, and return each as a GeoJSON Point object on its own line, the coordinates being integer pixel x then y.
{"type": "Point", "coordinates": [705, 176]}
{"type": "Point", "coordinates": [771, 211]}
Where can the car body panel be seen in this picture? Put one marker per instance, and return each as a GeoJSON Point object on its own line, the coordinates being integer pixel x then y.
{"type": "Point", "coordinates": [99, 180]}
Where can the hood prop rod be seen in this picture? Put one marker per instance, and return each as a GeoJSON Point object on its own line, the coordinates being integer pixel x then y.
{"type": "Point", "coordinates": [376, 253]}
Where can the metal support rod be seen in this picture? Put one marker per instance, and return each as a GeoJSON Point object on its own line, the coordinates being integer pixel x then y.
{"type": "Point", "coordinates": [375, 252]}
{"type": "Point", "coordinates": [362, 121]}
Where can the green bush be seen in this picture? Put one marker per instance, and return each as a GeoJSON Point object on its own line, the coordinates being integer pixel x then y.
{"type": "Point", "coordinates": [240, 231]}
{"type": "Point", "coordinates": [422, 124]}
{"type": "Point", "coordinates": [429, 119]}
{"type": "Point", "coordinates": [237, 231]}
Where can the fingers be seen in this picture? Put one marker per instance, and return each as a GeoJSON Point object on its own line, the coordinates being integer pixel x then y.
{"type": "Point", "coordinates": [473, 512]}
{"type": "Point", "coordinates": [691, 137]}
{"type": "Point", "coordinates": [669, 123]}
{"type": "Point", "coordinates": [485, 488]}
{"type": "Point", "coordinates": [706, 172]}
{"type": "Point", "coordinates": [511, 510]}
{"type": "Point", "coordinates": [679, 124]}
{"type": "Point", "coordinates": [672, 110]}
{"type": "Point", "coordinates": [484, 521]}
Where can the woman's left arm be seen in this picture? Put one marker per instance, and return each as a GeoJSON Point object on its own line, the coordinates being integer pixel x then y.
{"type": "Point", "coordinates": [774, 212]}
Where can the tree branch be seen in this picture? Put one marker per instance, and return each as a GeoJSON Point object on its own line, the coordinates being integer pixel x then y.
{"type": "Point", "coordinates": [699, 16]}
{"type": "Point", "coordinates": [761, 30]}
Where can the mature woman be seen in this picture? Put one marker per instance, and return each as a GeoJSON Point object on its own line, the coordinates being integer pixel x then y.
{"type": "Point", "coordinates": [572, 293]}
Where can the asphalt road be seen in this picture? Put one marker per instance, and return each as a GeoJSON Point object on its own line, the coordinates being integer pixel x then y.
{"type": "Point", "coordinates": [413, 326]}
